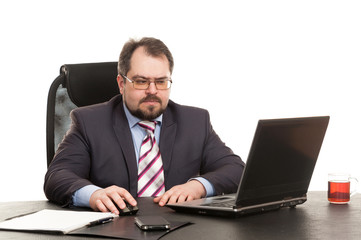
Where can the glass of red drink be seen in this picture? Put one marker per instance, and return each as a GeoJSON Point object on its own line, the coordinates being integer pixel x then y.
{"type": "Point", "coordinates": [339, 191]}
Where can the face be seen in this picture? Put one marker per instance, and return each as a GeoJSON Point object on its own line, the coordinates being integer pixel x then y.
{"type": "Point", "coordinates": [150, 103]}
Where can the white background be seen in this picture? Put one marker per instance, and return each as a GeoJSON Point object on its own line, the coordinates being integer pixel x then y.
{"type": "Point", "coordinates": [241, 60]}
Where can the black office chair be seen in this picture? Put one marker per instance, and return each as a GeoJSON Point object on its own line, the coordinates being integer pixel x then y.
{"type": "Point", "coordinates": [77, 85]}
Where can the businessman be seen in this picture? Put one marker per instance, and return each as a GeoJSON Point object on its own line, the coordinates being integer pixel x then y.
{"type": "Point", "coordinates": [140, 143]}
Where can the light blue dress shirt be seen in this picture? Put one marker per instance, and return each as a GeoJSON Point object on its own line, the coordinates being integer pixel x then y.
{"type": "Point", "coordinates": [82, 196]}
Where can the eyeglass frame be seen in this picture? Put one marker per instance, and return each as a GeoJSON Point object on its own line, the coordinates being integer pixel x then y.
{"type": "Point", "coordinates": [149, 82]}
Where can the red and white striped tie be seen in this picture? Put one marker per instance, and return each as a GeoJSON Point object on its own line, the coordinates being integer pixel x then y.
{"type": "Point", "coordinates": [150, 165]}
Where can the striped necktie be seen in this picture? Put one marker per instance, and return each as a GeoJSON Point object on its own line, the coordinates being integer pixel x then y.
{"type": "Point", "coordinates": [150, 165]}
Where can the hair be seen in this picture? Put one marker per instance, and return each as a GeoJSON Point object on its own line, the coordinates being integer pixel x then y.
{"type": "Point", "coordinates": [152, 46]}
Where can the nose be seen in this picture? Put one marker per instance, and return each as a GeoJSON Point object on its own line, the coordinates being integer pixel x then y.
{"type": "Point", "coordinates": [152, 89]}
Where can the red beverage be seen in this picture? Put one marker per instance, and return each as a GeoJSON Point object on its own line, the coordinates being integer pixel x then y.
{"type": "Point", "coordinates": [338, 192]}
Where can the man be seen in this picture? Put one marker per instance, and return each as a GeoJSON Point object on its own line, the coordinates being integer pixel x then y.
{"type": "Point", "coordinates": [140, 143]}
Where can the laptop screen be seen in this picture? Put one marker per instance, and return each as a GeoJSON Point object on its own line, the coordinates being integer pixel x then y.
{"type": "Point", "coordinates": [281, 159]}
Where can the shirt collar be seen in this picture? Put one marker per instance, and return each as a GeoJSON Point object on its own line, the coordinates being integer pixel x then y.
{"type": "Point", "coordinates": [132, 120]}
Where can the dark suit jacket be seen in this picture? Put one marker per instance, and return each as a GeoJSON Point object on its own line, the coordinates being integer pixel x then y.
{"type": "Point", "coordinates": [98, 149]}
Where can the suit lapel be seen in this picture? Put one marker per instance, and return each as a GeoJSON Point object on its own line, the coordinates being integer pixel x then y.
{"type": "Point", "coordinates": [167, 138]}
{"type": "Point", "coordinates": [124, 136]}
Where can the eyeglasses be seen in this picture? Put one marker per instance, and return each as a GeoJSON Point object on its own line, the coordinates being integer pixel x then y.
{"type": "Point", "coordinates": [143, 84]}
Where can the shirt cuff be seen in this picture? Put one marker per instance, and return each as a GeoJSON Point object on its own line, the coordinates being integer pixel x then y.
{"type": "Point", "coordinates": [82, 196]}
{"type": "Point", "coordinates": [207, 185]}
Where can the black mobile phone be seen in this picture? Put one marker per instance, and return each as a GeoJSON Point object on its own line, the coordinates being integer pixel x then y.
{"type": "Point", "coordinates": [152, 223]}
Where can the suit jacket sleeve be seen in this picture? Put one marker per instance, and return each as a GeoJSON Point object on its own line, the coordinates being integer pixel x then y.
{"type": "Point", "coordinates": [220, 165]}
{"type": "Point", "coordinates": [96, 150]}
{"type": "Point", "coordinates": [69, 170]}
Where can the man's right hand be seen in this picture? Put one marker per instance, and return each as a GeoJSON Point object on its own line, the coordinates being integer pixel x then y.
{"type": "Point", "coordinates": [103, 199]}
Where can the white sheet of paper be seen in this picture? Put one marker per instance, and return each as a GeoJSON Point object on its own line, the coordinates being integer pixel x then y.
{"type": "Point", "coordinates": [54, 220]}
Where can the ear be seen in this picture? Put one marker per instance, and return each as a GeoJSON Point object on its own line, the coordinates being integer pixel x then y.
{"type": "Point", "coordinates": [120, 81]}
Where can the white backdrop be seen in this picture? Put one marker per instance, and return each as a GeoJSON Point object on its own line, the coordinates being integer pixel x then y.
{"type": "Point", "coordinates": [241, 60]}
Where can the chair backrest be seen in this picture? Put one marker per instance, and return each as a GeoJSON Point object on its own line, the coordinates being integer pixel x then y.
{"type": "Point", "coordinates": [77, 85]}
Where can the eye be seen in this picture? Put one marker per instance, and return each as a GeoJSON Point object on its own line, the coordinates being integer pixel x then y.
{"type": "Point", "coordinates": [141, 82]}
{"type": "Point", "coordinates": [161, 82]}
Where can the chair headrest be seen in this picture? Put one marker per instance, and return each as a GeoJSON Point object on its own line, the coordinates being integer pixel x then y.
{"type": "Point", "coordinates": [90, 83]}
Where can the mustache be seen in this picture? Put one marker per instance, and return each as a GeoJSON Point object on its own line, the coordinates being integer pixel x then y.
{"type": "Point", "coordinates": [151, 98]}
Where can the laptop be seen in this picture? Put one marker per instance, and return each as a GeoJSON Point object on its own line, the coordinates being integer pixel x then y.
{"type": "Point", "coordinates": [278, 170]}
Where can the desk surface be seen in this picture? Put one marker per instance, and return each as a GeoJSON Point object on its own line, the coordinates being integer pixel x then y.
{"type": "Point", "coordinates": [315, 219]}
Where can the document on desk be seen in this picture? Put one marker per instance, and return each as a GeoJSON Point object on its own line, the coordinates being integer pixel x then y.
{"type": "Point", "coordinates": [63, 221]}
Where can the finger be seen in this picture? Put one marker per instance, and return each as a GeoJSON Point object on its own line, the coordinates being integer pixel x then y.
{"type": "Point", "coordinates": [164, 199]}
{"type": "Point", "coordinates": [118, 195]}
{"type": "Point", "coordinates": [110, 205]}
{"type": "Point", "coordinates": [118, 202]}
{"type": "Point", "coordinates": [129, 198]}
{"type": "Point", "coordinates": [182, 198]}
{"type": "Point", "coordinates": [174, 197]}
{"type": "Point", "coordinates": [100, 206]}
{"type": "Point", "coordinates": [190, 198]}
{"type": "Point", "coordinates": [121, 196]}
{"type": "Point", "coordinates": [157, 199]}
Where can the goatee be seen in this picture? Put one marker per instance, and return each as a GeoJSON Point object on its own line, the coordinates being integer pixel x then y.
{"type": "Point", "coordinates": [151, 113]}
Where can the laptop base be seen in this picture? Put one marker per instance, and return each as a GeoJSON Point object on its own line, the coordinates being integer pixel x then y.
{"type": "Point", "coordinates": [208, 208]}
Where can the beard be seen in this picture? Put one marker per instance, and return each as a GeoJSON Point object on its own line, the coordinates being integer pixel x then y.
{"type": "Point", "coordinates": [151, 112]}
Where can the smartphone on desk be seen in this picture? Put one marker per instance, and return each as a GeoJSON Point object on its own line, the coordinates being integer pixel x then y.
{"type": "Point", "coordinates": [152, 223]}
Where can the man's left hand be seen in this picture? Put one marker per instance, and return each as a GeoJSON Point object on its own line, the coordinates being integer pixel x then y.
{"type": "Point", "coordinates": [181, 193]}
